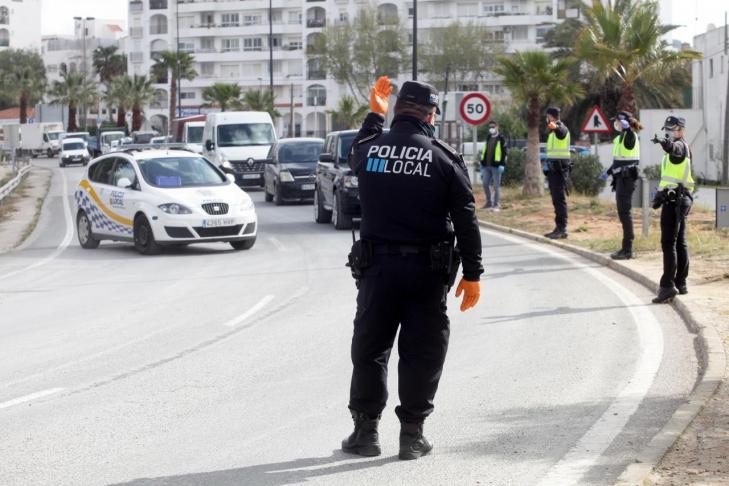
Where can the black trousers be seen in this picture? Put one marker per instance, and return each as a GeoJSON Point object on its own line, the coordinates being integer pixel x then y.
{"type": "Point", "coordinates": [557, 180]}
{"type": "Point", "coordinates": [624, 188]}
{"type": "Point", "coordinates": [399, 291]}
{"type": "Point", "coordinates": [673, 242]}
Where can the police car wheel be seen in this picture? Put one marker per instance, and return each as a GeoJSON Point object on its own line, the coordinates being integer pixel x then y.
{"type": "Point", "coordinates": [144, 237]}
{"type": "Point", "coordinates": [83, 229]}
{"type": "Point", "coordinates": [277, 197]}
{"type": "Point", "coordinates": [243, 244]}
{"type": "Point", "coordinates": [321, 214]}
{"type": "Point", "coordinates": [341, 221]}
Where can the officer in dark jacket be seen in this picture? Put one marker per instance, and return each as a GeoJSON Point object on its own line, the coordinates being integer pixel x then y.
{"type": "Point", "coordinates": [557, 169]}
{"type": "Point", "coordinates": [416, 198]}
{"type": "Point", "coordinates": [493, 160]}
{"type": "Point", "coordinates": [674, 197]}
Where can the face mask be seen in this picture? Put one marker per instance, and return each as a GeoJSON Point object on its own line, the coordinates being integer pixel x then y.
{"type": "Point", "coordinates": [669, 134]}
{"type": "Point", "coordinates": [617, 126]}
{"type": "Point", "coordinates": [492, 131]}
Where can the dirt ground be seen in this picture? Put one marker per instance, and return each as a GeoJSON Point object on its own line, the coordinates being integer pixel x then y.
{"type": "Point", "coordinates": [701, 455]}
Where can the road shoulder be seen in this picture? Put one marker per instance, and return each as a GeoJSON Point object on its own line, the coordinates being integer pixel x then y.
{"type": "Point", "coordinates": [20, 211]}
{"type": "Point", "coordinates": [678, 453]}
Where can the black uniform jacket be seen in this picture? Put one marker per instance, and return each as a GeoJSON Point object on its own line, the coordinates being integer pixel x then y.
{"type": "Point", "coordinates": [411, 187]}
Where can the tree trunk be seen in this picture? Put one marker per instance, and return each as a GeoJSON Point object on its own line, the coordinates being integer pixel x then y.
{"type": "Point", "coordinates": [121, 117]}
{"type": "Point", "coordinates": [72, 127]}
{"type": "Point", "coordinates": [533, 178]}
{"type": "Point", "coordinates": [23, 109]}
{"type": "Point", "coordinates": [173, 100]}
{"type": "Point", "coordinates": [136, 118]}
{"type": "Point", "coordinates": [627, 99]}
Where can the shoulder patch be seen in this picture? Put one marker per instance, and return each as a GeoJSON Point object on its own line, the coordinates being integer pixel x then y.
{"type": "Point", "coordinates": [445, 146]}
{"type": "Point", "coordinates": [368, 138]}
{"type": "Point", "coordinates": [452, 154]}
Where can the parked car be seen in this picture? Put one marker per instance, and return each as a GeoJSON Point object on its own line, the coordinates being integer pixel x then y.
{"type": "Point", "coordinates": [336, 192]}
{"type": "Point", "coordinates": [291, 169]}
{"type": "Point", "coordinates": [73, 151]}
{"type": "Point", "coordinates": [155, 197]}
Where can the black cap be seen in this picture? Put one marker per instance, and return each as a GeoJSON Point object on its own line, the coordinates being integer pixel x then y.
{"type": "Point", "coordinates": [420, 93]}
{"type": "Point", "coordinates": [554, 111]}
{"type": "Point", "coordinates": [674, 122]}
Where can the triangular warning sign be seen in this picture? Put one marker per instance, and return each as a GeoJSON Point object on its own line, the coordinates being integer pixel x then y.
{"type": "Point", "coordinates": [596, 122]}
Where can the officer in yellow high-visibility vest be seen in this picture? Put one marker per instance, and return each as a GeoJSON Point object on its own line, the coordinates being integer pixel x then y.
{"type": "Point", "coordinates": [626, 157]}
{"type": "Point", "coordinates": [675, 198]}
{"type": "Point", "coordinates": [557, 168]}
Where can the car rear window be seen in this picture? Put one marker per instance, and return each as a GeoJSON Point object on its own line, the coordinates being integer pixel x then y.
{"type": "Point", "coordinates": [299, 152]}
{"type": "Point", "coordinates": [171, 172]}
{"type": "Point", "coordinates": [345, 143]}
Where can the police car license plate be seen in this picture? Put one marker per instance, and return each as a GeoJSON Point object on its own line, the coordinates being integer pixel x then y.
{"type": "Point", "coordinates": [214, 223]}
{"type": "Point", "coordinates": [251, 176]}
{"type": "Point", "coordinates": [307, 187]}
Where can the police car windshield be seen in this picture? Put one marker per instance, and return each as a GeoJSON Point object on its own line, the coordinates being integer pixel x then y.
{"type": "Point", "coordinates": [194, 134]}
{"type": "Point", "coordinates": [245, 134]}
{"type": "Point", "coordinates": [302, 152]}
{"type": "Point", "coordinates": [345, 144]}
{"type": "Point", "coordinates": [73, 146]}
{"type": "Point", "coordinates": [172, 172]}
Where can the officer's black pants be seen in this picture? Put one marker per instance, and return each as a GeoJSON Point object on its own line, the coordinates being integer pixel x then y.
{"type": "Point", "coordinates": [557, 180]}
{"type": "Point", "coordinates": [624, 187]}
{"type": "Point", "coordinates": [402, 291]}
{"type": "Point", "coordinates": [673, 242]}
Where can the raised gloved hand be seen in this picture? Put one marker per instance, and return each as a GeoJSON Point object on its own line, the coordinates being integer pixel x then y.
{"type": "Point", "coordinates": [501, 169]}
{"type": "Point", "coordinates": [625, 124]}
{"type": "Point", "coordinates": [551, 125]}
{"type": "Point", "coordinates": [471, 291]}
{"type": "Point", "coordinates": [381, 91]}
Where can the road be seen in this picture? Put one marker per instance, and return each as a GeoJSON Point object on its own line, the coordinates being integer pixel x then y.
{"type": "Point", "coordinates": [206, 366]}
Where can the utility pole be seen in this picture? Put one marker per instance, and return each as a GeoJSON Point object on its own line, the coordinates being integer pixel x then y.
{"type": "Point", "coordinates": [179, 78]}
{"type": "Point", "coordinates": [445, 104]}
{"type": "Point", "coordinates": [82, 23]}
{"type": "Point", "coordinates": [270, 47]}
{"type": "Point", "coordinates": [291, 105]}
{"type": "Point", "coordinates": [725, 162]}
{"type": "Point", "coordinates": [415, 40]}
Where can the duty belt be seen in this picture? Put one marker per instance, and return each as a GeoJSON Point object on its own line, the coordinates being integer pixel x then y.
{"type": "Point", "coordinates": [620, 168]}
{"type": "Point", "coordinates": [395, 249]}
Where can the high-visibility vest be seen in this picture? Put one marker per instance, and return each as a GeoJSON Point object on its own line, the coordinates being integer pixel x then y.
{"type": "Point", "coordinates": [620, 152]}
{"type": "Point", "coordinates": [497, 152]}
{"type": "Point", "coordinates": [674, 174]}
{"type": "Point", "coordinates": [558, 149]}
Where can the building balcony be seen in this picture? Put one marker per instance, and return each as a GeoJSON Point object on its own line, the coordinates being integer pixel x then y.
{"type": "Point", "coordinates": [316, 23]}
{"type": "Point", "coordinates": [194, 6]}
{"type": "Point", "coordinates": [212, 30]}
{"type": "Point", "coordinates": [242, 55]}
{"type": "Point", "coordinates": [136, 6]}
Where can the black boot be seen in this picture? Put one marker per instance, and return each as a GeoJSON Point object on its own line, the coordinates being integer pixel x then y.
{"type": "Point", "coordinates": [622, 255]}
{"type": "Point", "coordinates": [365, 440]}
{"type": "Point", "coordinates": [557, 234]}
{"type": "Point", "coordinates": [413, 443]}
{"type": "Point", "coordinates": [682, 289]}
{"type": "Point", "coordinates": [665, 295]}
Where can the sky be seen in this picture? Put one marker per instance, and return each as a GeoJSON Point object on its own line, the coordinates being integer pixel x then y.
{"type": "Point", "coordinates": [695, 15]}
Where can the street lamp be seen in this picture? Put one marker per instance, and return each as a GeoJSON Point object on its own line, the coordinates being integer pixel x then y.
{"type": "Point", "coordinates": [415, 40]}
{"type": "Point", "coordinates": [82, 21]}
{"type": "Point", "coordinates": [291, 104]}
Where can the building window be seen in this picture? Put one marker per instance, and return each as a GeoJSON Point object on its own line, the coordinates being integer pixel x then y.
{"type": "Point", "coordinates": [207, 69]}
{"type": "Point", "coordinates": [519, 33]}
{"type": "Point", "coordinates": [160, 100]}
{"type": "Point", "coordinates": [316, 95]}
{"type": "Point", "coordinates": [711, 68]}
{"type": "Point", "coordinates": [387, 14]}
{"type": "Point", "coordinates": [4, 38]}
{"type": "Point", "coordinates": [230, 71]}
{"type": "Point", "coordinates": [495, 36]}
{"type": "Point", "coordinates": [207, 44]}
{"type": "Point", "coordinates": [316, 17]}
{"type": "Point", "coordinates": [295, 17]}
{"type": "Point", "coordinates": [467, 9]}
{"type": "Point", "coordinates": [253, 44]}
{"type": "Point", "coordinates": [158, 25]}
{"type": "Point", "coordinates": [4, 16]}
{"type": "Point", "coordinates": [230, 20]}
{"type": "Point", "coordinates": [441, 10]}
{"type": "Point", "coordinates": [315, 69]}
{"type": "Point", "coordinates": [491, 10]}
{"type": "Point", "coordinates": [251, 19]}
{"type": "Point", "coordinates": [231, 45]}
{"type": "Point", "coordinates": [157, 4]}
{"type": "Point", "coordinates": [186, 46]}
{"type": "Point", "coordinates": [541, 32]}
{"type": "Point", "coordinates": [207, 19]}
{"type": "Point", "coordinates": [187, 95]}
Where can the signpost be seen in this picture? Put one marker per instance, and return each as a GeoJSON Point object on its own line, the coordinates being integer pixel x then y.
{"type": "Point", "coordinates": [596, 122]}
{"type": "Point", "coordinates": [475, 109]}
{"type": "Point", "coordinates": [722, 207]}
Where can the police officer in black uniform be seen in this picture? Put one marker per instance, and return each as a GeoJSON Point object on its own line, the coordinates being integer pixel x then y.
{"type": "Point", "coordinates": [416, 200]}
{"type": "Point", "coordinates": [557, 168]}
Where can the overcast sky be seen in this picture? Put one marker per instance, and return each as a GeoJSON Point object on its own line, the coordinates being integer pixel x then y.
{"type": "Point", "coordinates": [58, 14]}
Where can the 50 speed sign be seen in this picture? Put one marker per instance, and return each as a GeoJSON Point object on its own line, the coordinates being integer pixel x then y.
{"type": "Point", "coordinates": [475, 108]}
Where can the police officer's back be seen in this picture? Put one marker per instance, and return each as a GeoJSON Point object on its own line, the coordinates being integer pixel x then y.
{"type": "Point", "coordinates": [411, 188]}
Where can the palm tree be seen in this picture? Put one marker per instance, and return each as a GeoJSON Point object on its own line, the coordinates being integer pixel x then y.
{"type": "Point", "coordinates": [181, 66]}
{"type": "Point", "coordinates": [223, 95]}
{"type": "Point", "coordinates": [535, 79]}
{"type": "Point", "coordinates": [142, 92]}
{"type": "Point", "coordinates": [73, 90]}
{"type": "Point", "coordinates": [349, 114]}
{"type": "Point", "coordinates": [108, 64]}
{"type": "Point", "coordinates": [260, 100]}
{"type": "Point", "coordinates": [22, 78]}
{"type": "Point", "coordinates": [119, 93]}
{"type": "Point", "coordinates": [623, 40]}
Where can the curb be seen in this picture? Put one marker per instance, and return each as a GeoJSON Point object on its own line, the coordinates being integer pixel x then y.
{"type": "Point", "coordinates": [23, 244]}
{"type": "Point", "coordinates": [710, 351]}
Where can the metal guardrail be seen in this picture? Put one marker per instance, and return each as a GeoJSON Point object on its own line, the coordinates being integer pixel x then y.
{"type": "Point", "coordinates": [8, 188]}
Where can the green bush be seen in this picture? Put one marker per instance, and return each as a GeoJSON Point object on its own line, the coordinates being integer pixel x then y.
{"type": "Point", "coordinates": [652, 171]}
{"type": "Point", "coordinates": [585, 174]}
{"type": "Point", "coordinates": [514, 171]}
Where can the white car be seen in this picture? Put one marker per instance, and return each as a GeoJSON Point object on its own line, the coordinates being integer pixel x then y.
{"type": "Point", "coordinates": [156, 197]}
{"type": "Point", "coordinates": [73, 151]}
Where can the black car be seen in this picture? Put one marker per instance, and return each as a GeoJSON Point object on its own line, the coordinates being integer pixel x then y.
{"type": "Point", "coordinates": [336, 196]}
{"type": "Point", "coordinates": [291, 169]}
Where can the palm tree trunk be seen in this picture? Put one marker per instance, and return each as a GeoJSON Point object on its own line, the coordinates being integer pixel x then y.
{"type": "Point", "coordinates": [23, 109]}
{"type": "Point", "coordinates": [533, 181]}
{"type": "Point", "coordinates": [72, 127]}
{"type": "Point", "coordinates": [173, 100]}
{"type": "Point", "coordinates": [121, 116]}
{"type": "Point", "coordinates": [627, 99]}
{"type": "Point", "coordinates": [136, 118]}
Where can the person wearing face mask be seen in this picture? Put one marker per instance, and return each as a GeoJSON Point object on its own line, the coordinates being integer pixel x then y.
{"type": "Point", "coordinates": [674, 197]}
{"type": "Point", "coordinates": [557, 170]}
{"type": "Point", "coordinates": [493, 160]}
{"type": "Point", "coordinates": [418, 212]}
{"type": "Point", "coordinates": [624, 171]}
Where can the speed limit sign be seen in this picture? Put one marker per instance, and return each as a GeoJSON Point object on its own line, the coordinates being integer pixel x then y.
{"type": "Point", "coordinates": [475, 108]}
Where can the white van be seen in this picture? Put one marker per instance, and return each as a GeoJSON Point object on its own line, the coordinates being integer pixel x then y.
{"type": "Point", "coordinates": [73, 151]}
{"type": "Point", "coordinates": [192, 135]}
{"type": "Point", "coordinates": [238, 142]}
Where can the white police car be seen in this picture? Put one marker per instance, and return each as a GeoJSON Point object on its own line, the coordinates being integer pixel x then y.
{"type": "Point", "coordinates": [161, 196]}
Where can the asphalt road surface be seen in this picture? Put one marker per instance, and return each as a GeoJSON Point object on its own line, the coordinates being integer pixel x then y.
{"type": "Point", "coordinates": [207, 366]}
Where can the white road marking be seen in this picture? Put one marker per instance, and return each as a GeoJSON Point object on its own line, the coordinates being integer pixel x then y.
{"type": "Point", "coordinates": [250, 312]}
{"type": "Point", "coordinates": [277, 243]}
{"type": "Point", "coordinates": [31, 397]}
{"type": "Point", "coordinates": [588, 450]}
{"type": "Point", "coordinates": [66, 239]}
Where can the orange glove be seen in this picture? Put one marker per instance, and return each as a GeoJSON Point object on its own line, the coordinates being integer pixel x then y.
{"type": "Point", "coordinates": [551, 125]}
{"type": "Point", "coordinates": [379, 94]}
{"type": "Point", "coordinates": [472, 293]}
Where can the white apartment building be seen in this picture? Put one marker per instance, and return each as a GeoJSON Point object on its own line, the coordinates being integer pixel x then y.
{"type": "Point", "coordinates": [20, 24]}
{"type": "Point", "coordinates": [710, 77]}
{"type": "Point", "coordinates": [230, 41]}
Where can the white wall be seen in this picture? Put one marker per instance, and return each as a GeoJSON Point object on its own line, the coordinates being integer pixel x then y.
{"type": "Point", "coordinates": [25, 24]}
